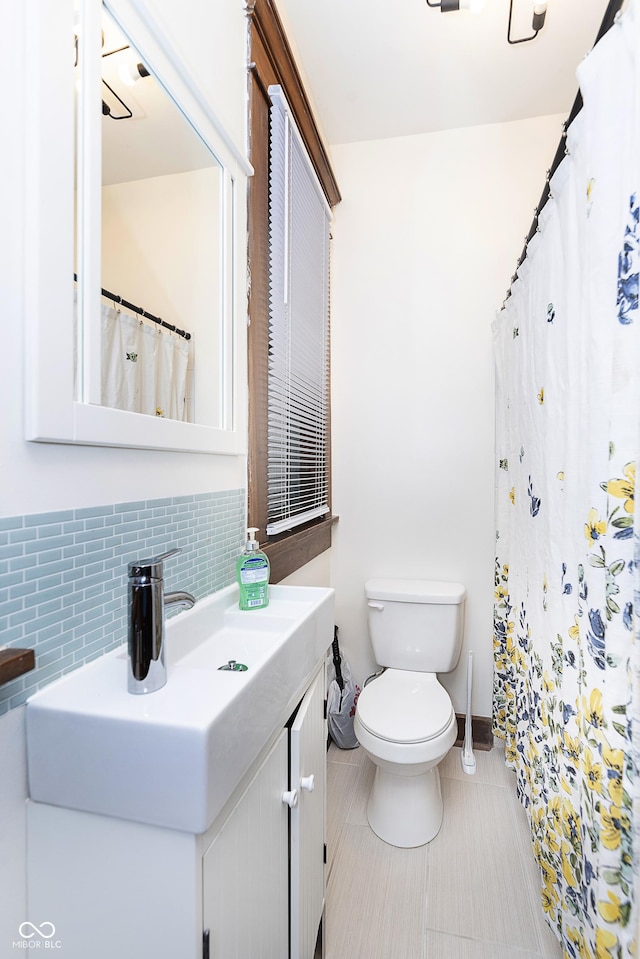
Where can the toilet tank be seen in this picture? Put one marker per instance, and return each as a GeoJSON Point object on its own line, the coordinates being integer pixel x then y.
{"type": "Point", "coordinates": [416, 624]}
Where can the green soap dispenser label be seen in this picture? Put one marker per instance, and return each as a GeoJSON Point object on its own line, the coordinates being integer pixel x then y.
{"type": "Point", "coordinates": [254, 570]}
{"type": "Point", "coordinates": [252, 573]}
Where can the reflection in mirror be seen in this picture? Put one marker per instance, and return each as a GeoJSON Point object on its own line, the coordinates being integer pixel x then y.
{"type": "Point", "coordinates": [161, 249]}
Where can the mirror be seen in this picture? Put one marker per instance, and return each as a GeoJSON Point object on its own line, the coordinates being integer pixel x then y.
{"type": "Point", "coordinates": [142, 197]}
{"type": "Point", "coordinates": [161, 211]}
{"type": "Point", "coordinates": [161, 217]}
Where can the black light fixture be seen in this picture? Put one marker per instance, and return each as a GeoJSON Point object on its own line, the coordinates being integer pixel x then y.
{"type": "Point", "coordinates": [537, 23]}
{"type": "Point", "coordinates": [447, 6]}
{"type": "Point", "coordinates": [539, 14]}
{"type": "Point", "coordinates": [128, 73]}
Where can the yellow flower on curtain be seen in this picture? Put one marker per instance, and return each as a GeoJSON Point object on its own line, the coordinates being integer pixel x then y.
{"type": "Point", "coordinates": [592, 772]}
{"type": "Point", "coordinates": [605, 942]}
{"type": "Point", "coordinates": [570, 823]}
{"type": "Point", "coordinates": [571, 747]}
{"type": "Point", "coordinates": [614, 822]}
{"type": "Point", "coordinates": [594, 528]}
{"type": "Point", "coordinates": [624, 488]}
{"type": "Point", "coordinates": [614, 762]}
{"type": "Point", "coordinates": [611, 910]}
{"type": "Point", "coordinates": [593, 709]}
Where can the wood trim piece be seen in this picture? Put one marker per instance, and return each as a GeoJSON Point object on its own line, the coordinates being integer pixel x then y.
{"type": "Point", "coordinates": [482, 731]}
{"type": "Point", "coordinates": [14, 663]}
{"type": "Point", "coordinates": [297, 548]}
{"type": "Point", "coordinates": [274, 63]}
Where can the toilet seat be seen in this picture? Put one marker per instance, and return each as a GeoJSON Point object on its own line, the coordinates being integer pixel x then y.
{"type": "Point", "coordinates": [403, 706]}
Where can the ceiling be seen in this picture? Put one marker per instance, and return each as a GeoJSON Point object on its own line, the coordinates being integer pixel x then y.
{"type": "Point", "coordinates": [157, 140]}
{"type": "Point", "coordinates": [388, 68]}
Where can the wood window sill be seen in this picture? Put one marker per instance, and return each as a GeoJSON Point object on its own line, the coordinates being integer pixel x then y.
{"type": "Point", "coordinates": [290, 551]}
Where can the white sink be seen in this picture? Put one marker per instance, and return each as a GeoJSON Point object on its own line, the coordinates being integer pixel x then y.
{"type": "Point", "coordinates": [173, 757]}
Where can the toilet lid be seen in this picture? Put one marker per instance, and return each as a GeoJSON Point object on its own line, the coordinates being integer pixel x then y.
{"type": "Point", "coordinates": [405, 707]}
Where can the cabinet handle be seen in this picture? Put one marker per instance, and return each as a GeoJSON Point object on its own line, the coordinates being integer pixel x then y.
{"type": "Point", "coordinates": [290, 798]}
{"type": "Point", "coordinates": [308, 783]}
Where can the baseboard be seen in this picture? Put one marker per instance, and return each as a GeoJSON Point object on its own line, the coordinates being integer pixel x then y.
{"type": "Point", "coordinates": [482, 731]}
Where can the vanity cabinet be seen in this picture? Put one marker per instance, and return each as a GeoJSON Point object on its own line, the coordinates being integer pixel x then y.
{"type": "Point", "coordinates": [245, 870]}
{"type": "Point", "coordinates": [252, 886]}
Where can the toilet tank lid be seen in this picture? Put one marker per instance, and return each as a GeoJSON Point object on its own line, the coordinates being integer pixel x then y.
{"type": "Point", "coordinates": [415, 591]}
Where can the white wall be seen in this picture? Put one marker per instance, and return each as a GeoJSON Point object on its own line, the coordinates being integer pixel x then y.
{"type": "Point", "coordinates": [161, 250]}
{"type": "Point", "coordinates": [426, 239]}
{"type": "Point", "coordinates": [161, 245]}
{"type": "Point", "coordinates": [40, 477]}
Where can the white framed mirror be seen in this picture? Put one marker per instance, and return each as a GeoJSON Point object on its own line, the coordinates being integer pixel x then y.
{"type": "Point", "coordinates": [136, 215]}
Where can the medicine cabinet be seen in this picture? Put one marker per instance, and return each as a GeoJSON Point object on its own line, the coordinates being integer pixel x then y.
{"type": "Point", "coordinates": [153, 167]}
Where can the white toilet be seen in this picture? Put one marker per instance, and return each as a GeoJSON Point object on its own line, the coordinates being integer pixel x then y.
{"type": "Point", "coordinates": [404, 720]}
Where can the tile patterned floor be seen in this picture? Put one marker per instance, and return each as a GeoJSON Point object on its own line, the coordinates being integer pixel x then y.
{"type": "Point", "coordinates": [472, 893]}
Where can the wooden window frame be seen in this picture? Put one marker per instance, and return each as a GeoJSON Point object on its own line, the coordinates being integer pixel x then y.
{"type": "Point", "coordinates": [272, 62]}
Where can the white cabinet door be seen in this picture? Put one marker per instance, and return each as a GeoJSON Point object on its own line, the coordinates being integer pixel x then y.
{"type": "Point", "coordinates": [308, 754]}
{"type": "Point", "coordinates": [245, 870]}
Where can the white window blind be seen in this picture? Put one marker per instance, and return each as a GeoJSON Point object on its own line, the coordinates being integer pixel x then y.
{"type": "Point", "coordinates": [298, 386]}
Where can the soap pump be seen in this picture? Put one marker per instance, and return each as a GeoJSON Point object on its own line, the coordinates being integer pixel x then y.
{"type": "Point", "coordinates": [252, 573]}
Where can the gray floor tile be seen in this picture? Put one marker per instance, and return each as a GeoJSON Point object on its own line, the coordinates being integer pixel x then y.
{"type": "Point", "coordinates": [472, 893]}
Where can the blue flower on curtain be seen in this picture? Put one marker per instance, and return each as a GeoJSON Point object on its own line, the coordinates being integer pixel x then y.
{"type": "Point", "coordinates": [629, 266]}
{"type": "Point", "coordinates": [534, 501]}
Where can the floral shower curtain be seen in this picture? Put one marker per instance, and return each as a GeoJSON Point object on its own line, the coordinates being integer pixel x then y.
{"type": "Point", "coordinates": [567, 644]}
{"type": "Point", "coordinates": [144, 366]}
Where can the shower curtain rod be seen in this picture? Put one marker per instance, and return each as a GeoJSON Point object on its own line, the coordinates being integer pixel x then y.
{"type": "Point", "coordinates": [608, 20]}
{"type": "Point", "coordinates": [140, 311]}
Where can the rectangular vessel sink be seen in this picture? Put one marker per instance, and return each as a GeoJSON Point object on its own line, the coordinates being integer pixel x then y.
{"type": "Point", "coordinates": [173, 757]}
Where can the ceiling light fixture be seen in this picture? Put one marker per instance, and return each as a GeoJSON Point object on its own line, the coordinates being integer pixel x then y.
{"type": "Point", "coordinates": [537, 23]}
{"type": "Point", "coordinates": [475, 6]}
{"type": "Point", "coordinates": [446, 6]}
{"type": "Point", "coordinates": [130, 73]}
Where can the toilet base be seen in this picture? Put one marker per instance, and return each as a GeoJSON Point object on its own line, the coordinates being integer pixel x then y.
{"type": "Point", "coordinates": [405, 811]}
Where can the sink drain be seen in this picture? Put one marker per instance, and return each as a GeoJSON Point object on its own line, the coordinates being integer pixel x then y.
{"type": "Point", "coordinates": [234, 667]}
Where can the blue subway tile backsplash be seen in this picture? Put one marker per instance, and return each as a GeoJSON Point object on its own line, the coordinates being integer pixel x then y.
{"type": "Point", "coordinates": [63, 575]}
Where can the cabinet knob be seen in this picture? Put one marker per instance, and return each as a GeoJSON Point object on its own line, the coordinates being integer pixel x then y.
{"type": "Point", "coordinates": [290, 798]}
{"type": "Point", "coordinates": [308, 783]}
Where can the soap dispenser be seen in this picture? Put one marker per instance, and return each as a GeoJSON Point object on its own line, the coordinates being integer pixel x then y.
{"type": "Point", "coordinates": [252, 573]}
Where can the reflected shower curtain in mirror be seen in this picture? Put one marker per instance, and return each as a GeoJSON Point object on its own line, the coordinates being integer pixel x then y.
{"type": "Point", "coordinates": [144, 366]}
{"type": "Point", "coordinates": [567, 688]}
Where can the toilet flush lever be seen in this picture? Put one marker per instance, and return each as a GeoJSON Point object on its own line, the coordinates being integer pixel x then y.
{"type": "Point", "coordinates": [379, 606]}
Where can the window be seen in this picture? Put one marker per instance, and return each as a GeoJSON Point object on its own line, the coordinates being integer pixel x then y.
{"type": "Point", "coordinates": [298, 378]}
{"type": "Point", "coordinates": [272, 64]}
